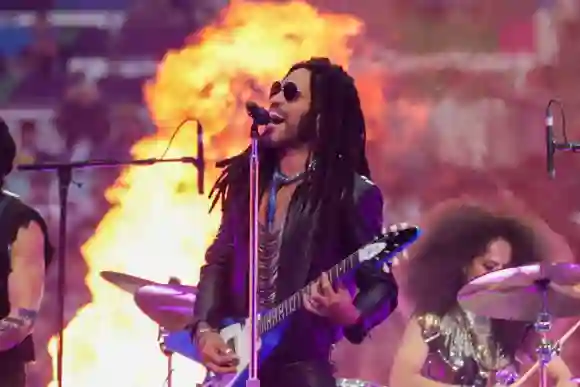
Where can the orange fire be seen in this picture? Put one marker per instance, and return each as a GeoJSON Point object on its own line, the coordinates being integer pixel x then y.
{"type": "Point", "coordinates": [158, 226]}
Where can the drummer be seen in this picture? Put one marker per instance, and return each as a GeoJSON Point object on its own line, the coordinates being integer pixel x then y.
{"type": "Point", "coordinates": [444, 344]}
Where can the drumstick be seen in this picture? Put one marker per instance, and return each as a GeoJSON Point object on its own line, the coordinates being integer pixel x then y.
{"type": "Point", "coordinates": [536, 365]}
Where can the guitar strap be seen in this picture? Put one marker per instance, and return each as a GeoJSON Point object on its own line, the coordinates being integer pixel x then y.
{"type": "Point", "coordinates": [279, 180]}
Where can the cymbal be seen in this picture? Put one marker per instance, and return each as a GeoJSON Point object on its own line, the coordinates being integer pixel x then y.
{"type": "Point", "coordinates": [124, 281]}
{"type": "Point", "coordinates": [513, 294]}
{"type": "Point", "coordinates": [170, 306]}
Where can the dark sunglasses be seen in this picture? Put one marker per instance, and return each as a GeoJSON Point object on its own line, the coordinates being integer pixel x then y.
{"type": "Point", "coordinates": [288, 89]}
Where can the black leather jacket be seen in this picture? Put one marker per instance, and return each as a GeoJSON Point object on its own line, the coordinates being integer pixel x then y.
{"type": "Point", "coordinates": [222, 288]}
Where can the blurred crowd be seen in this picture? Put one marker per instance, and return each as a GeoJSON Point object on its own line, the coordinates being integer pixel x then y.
{"type": "Point", "coordinates": [40, 53]}
{"type": "Point", "coordinates": [71, 77]}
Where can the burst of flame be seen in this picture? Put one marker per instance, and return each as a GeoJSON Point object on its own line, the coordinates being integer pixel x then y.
{"type": "Point", "coordinates": [158, 226]}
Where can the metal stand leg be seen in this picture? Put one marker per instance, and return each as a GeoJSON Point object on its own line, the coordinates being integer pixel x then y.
{"type": "Point", "coordinates": [169, 354]}
{"type": "Point", "coordinates": [170, 369]}
{"type": "Point", "coordinates": [543, 325]}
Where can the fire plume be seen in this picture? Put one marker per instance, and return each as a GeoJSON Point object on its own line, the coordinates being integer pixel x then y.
{"type": "Point", "coordinates": [158, 226]}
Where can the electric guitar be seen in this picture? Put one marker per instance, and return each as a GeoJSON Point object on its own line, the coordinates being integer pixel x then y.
{"type": "Point", "coordinates": [271, 323]}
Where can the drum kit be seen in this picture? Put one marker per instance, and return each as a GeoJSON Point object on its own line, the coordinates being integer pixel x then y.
{"type": "Point", "coordinates": [537, 294]}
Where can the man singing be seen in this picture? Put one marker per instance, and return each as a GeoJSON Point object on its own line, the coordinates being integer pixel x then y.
{"type": "Point", "coordinates": [317, 206]}
{"type": "Point", "coordinates": [25, 252]}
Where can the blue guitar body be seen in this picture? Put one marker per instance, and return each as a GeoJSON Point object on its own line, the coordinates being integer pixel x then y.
{"type": "Point", "coordinates": [237, 336]}
{"type": "Point", "coordinates": [180, 342]}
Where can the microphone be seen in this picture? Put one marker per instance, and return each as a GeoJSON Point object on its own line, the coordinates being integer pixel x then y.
{"type": "Point", "coordinates": [550, 144]}
{"type": "Point", "coordinates": [260, 115]}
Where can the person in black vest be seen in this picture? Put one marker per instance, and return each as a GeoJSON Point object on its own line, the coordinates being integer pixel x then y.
{"type": "Point", "coordinates": [25, 253]}
{"type": "Point", "coordinates": [318, 206]}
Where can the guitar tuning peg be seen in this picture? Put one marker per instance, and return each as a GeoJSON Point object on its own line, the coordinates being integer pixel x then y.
{"type": "Point", "coordinates": [386, 268]}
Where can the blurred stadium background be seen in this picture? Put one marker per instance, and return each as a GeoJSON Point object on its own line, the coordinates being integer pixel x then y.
{"type": "Point", "coordinates": [466, 85]}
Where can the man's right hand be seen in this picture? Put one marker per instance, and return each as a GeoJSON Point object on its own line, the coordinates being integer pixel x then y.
{"type": "Point", "coordinates": [215, 353]}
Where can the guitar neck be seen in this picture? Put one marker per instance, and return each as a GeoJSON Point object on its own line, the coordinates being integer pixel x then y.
{"type": "Point", "coordinates": [390, 243]}
{"type": "Point", "coordinates": [274, 316]}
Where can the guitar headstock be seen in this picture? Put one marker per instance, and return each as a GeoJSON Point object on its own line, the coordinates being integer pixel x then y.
{"type": "Point", "coordinates": [397, 237]}
{"type": "Point", "coordinates": [392, 241]}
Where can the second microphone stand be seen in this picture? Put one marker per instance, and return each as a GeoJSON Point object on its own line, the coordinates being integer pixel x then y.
{"type": "Point", "coordinates": [64, 173]}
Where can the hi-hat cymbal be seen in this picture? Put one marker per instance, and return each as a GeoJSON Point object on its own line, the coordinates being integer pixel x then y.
{"type": "Point", "coordinates": [513, 294]}
{"type": "Point", "coordinates": [127, 282]}
{"type": "Point", "coordinates": [170, 306]}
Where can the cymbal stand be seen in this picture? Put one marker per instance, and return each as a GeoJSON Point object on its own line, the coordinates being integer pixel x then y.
{"type": "Point", "coordinates": [163, 333]}
{"type": "Point", "coordinates": [545, 350]}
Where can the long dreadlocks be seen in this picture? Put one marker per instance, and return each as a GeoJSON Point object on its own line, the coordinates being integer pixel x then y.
{"type": "Point", "coordinates": [337, 148]}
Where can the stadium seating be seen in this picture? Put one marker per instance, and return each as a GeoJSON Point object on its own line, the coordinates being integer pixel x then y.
{"type": "Point", "coordinates": [89, 29]}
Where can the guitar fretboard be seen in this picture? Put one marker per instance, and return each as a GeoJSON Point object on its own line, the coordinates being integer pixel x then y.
{"type": "Point", "coordinates": [272, 317]}
{"type": "Point", "coordinates": [393, 241]}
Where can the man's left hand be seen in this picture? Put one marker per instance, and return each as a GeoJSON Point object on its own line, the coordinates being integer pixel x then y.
{"type": "Point", "coordinates": [336, 304]}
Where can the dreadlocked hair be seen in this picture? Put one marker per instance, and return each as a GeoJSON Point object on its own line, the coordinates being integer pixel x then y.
{"type": "Point", "coordinates": [337, 147]}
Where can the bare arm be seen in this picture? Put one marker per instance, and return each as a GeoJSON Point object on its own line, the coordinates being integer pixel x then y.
{"type": "Point", "coordinates": [559, 371]}
{"type": "Point", "coordinates": [25, 285]}
{"type": "Point", "coordinates": [409, 360]}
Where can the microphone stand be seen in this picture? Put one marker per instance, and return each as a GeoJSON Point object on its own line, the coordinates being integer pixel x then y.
{"type": "Point", "coordinates": [253, 380]}
{"type": "Point", "coordinates": [64, 173]}
{"type": "Point", "coordinates": [551, 143]}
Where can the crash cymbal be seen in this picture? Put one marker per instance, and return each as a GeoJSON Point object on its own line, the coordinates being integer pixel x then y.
{"type": "Point", "coordinates": [170, 306]}
{"type": "Point", "coordinates": [124, 281]}
{"type": "Point", "coordinates": [513, 294]}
